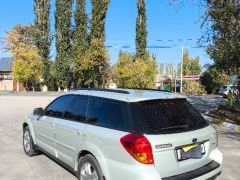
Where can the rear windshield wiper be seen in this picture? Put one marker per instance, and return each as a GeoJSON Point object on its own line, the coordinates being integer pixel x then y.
{"type": "Point", "coordinates": [176, 127]}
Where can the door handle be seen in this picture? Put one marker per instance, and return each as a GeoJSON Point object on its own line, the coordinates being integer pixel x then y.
{"type": "Point", "coordinates": [78, 133]}
{"type": "Point", "coordinates": [51, 124]}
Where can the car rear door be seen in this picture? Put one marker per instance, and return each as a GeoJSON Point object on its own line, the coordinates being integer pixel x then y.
{"type": "Point", "coordinates": [44, 126]}
{"type": "Point", "coordinates": [70, 130]}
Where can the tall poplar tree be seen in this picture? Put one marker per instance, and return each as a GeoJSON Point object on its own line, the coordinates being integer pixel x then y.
{"type": "Point", "coordinates": [42, 33]}
{"type": "Point", "coordinates": [80, 40]}
{"type": "Point", "coordinates": [97, 26]}
{"type": "Point", "coordinates": [94, 65]}
{"type": "Point", "coordinates": [63, 65]}
{"type": "Point", "coordinates": [141, 30]}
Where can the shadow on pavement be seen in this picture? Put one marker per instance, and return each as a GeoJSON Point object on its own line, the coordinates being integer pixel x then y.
{"type": "Point", "coordinates": [231, 135]}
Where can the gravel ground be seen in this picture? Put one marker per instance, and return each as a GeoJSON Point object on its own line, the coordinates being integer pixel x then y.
{"type": "Point", "coordinates": [16, 165]}
{"type": "Point", "coordinates": [207, 102]}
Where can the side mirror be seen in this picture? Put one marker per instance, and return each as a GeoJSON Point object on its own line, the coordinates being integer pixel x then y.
{"type": "Point", "coordinates": [38, 111]}
{"type": "Point", "coordinates": [92, 121]}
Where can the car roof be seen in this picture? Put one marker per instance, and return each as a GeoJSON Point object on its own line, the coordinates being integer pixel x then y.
{"type": "Point", "coordinates": [128, 95]}
{"type": "Point", "coordinates": [229, 85]}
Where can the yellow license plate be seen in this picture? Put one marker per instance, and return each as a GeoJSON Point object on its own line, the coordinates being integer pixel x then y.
{"type": "Point", "coordinates": [189, 147]}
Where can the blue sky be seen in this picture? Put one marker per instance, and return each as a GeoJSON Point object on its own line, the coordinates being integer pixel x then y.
{"type": "Point", "coordinates": [164, 23]}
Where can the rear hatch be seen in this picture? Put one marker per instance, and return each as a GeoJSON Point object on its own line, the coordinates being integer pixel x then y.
{"type": "Point", "coordinates": [180, 137]}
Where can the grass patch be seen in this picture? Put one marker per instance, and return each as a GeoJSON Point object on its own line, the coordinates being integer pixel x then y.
{"type": "Point", "coordinates": [225, 113]}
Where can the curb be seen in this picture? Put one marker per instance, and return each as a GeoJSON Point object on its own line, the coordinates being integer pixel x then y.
{"type": "Point", "coordinates": [220, 122]}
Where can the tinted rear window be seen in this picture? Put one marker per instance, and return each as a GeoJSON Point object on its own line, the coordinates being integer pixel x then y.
{"type": "Point", "coordinates": [109, 113]}
{"type": "Point", "coordinates": [226, 87]}
{"type": "Point", "coordinates": [165, 116]}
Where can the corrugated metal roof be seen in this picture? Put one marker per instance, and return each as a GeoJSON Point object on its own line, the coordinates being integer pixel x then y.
{"type": "Point", "coordinates": [6, 63]}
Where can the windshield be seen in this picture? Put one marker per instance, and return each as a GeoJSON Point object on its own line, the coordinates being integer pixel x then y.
{"type": "Point", "coordinates": [226, 87]}
{"type": "Point", "coordinates": [166, 116]}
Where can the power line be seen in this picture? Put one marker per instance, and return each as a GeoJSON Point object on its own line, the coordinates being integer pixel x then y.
{"type": "Point", "coordinates": [156, 46]}
{"type": "Point", "coordinates": [127, 44]}
{"type": "Point", "coordinates": [158, 40]}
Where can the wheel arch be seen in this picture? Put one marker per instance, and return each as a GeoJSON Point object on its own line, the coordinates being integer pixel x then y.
{"type": "Point", "coordinates": [96, 153]}
{"type": "Point", "coordinates": [27, 123]}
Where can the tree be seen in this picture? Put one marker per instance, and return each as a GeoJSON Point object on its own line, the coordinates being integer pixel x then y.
{"type": "Point", "coordinates": [169, 69]}
{"type": "Point", "coordinates": [92, 59]}
{"type": "Point", "coordinates": [222, 22]}
{"type": "Point", "coordinates": [224, 48]}
{"type": "Point", "coordinates": [97, 26]}
{"type": "Point", "coordinates": [193, 87]}
{"type": "Point", "coordinates": [27, 66]}
{"type": "Point", "coordinates": [212, 79]}
{"type": "Point", "coordinates": [42, 34]}
{"type": "Point", "coordinates": [195, 67]}
{"type": "Point", "coordinates": [191, 66]}
{"type": "Point", "coordinates": [161, 69]}
{"type": "Point", "coordinates": [134, 72]}
{"type": "Point", "coordinates": [94, 65]}
{"type": "Point", "coordinates": [141, 30]}
{"type": "Point", "coordinates": [80, 39]}
{"type": "Point", "coordinates": [63, 64]}
{"type": "Point", "coordinates": [123, 69]}
{"type": "Point", "coordinates": [80, 35]}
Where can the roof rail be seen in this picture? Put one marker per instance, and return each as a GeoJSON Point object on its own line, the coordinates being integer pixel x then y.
{"type": "Point", "coordinates": [148, 89]}
{"type": "Point", "coordinates": [102, 89]}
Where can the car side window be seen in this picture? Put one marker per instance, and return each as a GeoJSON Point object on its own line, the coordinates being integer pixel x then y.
{"type": "Point", "coordinates": [57, 107]}
{"type": "Point", "coordinates": [109, 113]}
{"type": "Point", "coordinates": [76, 110]}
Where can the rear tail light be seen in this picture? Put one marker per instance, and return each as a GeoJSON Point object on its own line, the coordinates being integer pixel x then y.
{"type": "Point", "coordinates": [138, 147]}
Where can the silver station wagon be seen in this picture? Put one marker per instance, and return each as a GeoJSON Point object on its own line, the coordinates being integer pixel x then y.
{"type": "Point", "coordinates": [121, 134]}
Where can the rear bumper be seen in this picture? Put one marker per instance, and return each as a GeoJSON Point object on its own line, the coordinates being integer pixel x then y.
{"type": "Point", "coordinates": [208, 171]}
{"type": "Point", "coordinates": [224, 94]}
{"type": "Point", "coordinates": [200, 172]}
{"type": "Point", "coordinates": [119, 171]}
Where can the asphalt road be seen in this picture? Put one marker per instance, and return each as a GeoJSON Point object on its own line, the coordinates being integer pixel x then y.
{"type": "Point", "coordinates": [16, 165]}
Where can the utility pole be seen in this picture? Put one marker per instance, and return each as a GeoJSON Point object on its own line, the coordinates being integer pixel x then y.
{"type": "Point", "coordinates": [182, 70]}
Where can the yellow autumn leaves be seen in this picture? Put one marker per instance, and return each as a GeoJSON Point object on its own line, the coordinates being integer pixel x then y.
{"type": "Point", "coordinates": [27, 65]}
{"type": "Point", "coordinates": [135, 73]}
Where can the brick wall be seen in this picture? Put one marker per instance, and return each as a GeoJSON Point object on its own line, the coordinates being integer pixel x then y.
{"type": "Point", "coordinates": [10, 85]}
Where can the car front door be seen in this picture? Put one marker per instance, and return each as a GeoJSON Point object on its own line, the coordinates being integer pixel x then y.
{"type": "Point", "coordinates": [70, 131]}
{"type": "Point", "coordinates": [44, 126]}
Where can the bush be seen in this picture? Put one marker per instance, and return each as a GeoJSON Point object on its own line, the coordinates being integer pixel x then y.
{"type": "Point", "coordinates": [193, 87]}
{"type": "Point", "coordinates": [212, 80]}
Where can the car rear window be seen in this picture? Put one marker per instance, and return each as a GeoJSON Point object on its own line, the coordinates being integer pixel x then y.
{"type": "Point", "coordinates": [165, 116]}
{"type": "Point", "coordinates": [109, 114]}
{"type": "Point", "coordinates": [226, 87]}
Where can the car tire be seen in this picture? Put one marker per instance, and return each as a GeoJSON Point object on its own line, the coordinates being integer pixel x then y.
{"type": "Point", "coordinates": [29, 147]}
{"type": "Point", "coordinates": [88, 168]}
